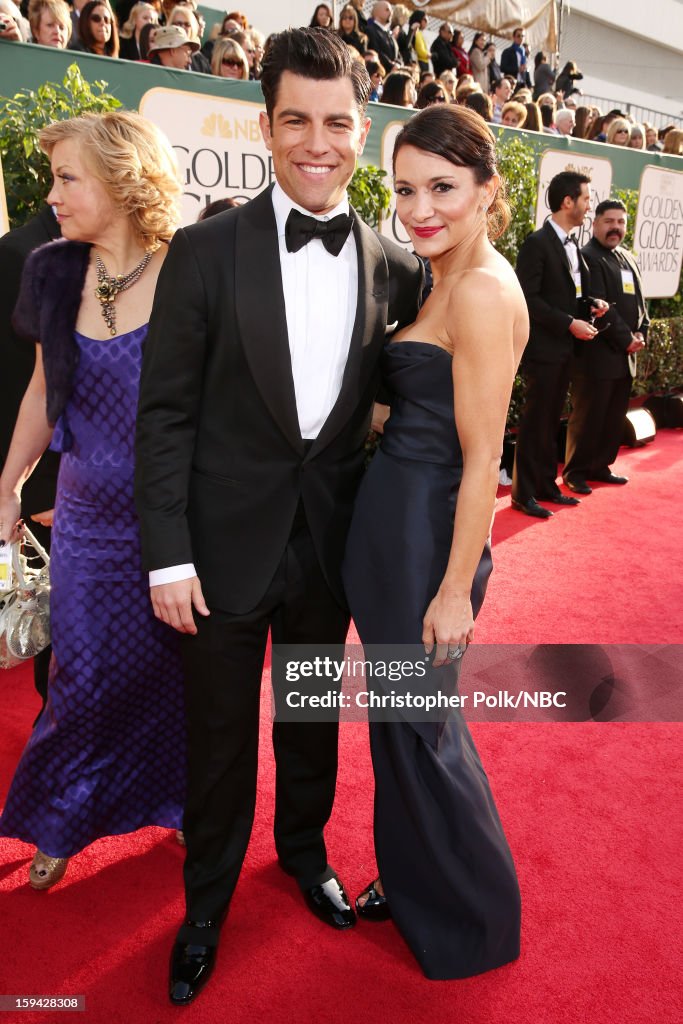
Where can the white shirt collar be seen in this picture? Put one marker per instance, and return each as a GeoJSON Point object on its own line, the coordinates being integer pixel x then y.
{"type": "Point", "coordinates": [282, 204]}
{"type": "Point", "coordinates": [561, 233]}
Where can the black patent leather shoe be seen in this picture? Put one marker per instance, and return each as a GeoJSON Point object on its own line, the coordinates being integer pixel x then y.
{"type": "Point", "coordinates": [531, 508]}
{"type": "Point", "coordinates": [330, 904]}
{"type": "Point", "coordinates": [375, 907]}
{"type": "Point", "coordinates": [612, 478]}
{"type": "Point", "coordinates": [562, 499]}
{"type": "Point", "coordinates": [191, 967]}
{"type": "Point", "coordinates": [578, 486]}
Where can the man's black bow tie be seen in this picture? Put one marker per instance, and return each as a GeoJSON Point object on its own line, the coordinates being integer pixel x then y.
{"type": "Point", "coordinates": [571, 240]}
{"type": "Point", "coordinates": [300, 230]}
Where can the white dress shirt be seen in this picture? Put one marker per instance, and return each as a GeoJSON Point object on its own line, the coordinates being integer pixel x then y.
{"type": "Point", "coordinates": [570, 248]}
{"type": "Point", "coordinates": [321, 294]}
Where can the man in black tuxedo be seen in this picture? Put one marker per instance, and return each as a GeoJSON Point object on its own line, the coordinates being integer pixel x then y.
{"type": "Point", "coordinates": [603, 371]}
{"type": "Point", "coordinates": [17, 360]}
{"type": "Point", "coordinates": [556, 282]}
{"type": "Point", "coordinates": [257, 386]}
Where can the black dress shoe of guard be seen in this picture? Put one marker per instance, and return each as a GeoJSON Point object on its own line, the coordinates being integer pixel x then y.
{"type": "Point", "coordinates": [532, 508]}
{"type": "Point", "coordinates": [330, 903]}
{"type": "Point", "coordinates": [611, 478]}
{"type": "Point", "coordinates": [562, 499]}
{"type": "Point", "coordinates": [191, 967]}
{"type": "Point", "coordinates": [578, 486]}
{"type": "Point", "coordinates": [376, 906]}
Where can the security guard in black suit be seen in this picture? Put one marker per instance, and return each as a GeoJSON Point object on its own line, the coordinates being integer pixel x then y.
{"type": "Point", "coordinates": [603, 371]}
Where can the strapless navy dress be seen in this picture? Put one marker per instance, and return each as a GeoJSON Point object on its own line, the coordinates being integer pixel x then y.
{"type": "Point", "coordinates": [442, 855]}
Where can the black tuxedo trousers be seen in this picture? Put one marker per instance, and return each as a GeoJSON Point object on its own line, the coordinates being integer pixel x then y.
{"type": "Point", "coordinates": [223, 664]}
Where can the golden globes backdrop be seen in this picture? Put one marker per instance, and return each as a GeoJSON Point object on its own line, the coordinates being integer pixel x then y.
{"type": "Point", "coordinates": [658, 235]}
{"type": "Point", "coordinates": [218, 144]}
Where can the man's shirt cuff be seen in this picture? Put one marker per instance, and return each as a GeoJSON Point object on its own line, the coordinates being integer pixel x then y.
{"type": "Point", "coordinates": [173, 574]}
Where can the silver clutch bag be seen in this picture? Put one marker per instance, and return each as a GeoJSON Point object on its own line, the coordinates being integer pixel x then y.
{"type": "Point", "coordinates": [25, 607]}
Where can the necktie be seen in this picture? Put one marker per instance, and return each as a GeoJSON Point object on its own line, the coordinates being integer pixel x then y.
{"type": "Point", "coordinates": [300, 230]}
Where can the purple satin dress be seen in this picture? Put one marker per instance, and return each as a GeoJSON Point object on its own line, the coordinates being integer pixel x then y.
{"type": "Point", "coordinates": [107, 756]}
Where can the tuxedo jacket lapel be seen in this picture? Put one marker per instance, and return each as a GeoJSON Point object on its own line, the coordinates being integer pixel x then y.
{"type": "Point", "coordinates": [261, 315]}
{"type": "Point", "coordinates": [368, 328]}
{"type": "Point", "coordinates": [559, 250]}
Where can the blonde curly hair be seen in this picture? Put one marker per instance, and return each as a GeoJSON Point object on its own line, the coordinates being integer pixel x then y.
{"type": "Point", "coordinates": [134, 161]}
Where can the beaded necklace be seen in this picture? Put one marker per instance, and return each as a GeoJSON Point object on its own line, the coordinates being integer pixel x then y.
{"type": "Point", "coordinates": [109, 287]}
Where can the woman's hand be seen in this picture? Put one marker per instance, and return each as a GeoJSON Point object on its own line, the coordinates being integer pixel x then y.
{"type": "Point", "coordinates": [10, 523]}
{"type": "Point", "coordinates": [449, 624]}
{"type": "Point", "coordinates": [380, 415]}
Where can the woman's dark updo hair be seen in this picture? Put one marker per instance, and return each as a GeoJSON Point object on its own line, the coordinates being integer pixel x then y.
{"type": "Point", "coordinates": [462, 137]}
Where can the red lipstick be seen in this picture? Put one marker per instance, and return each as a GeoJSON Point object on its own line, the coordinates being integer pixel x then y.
{"type": "Point", "coordinates": [426, 232]}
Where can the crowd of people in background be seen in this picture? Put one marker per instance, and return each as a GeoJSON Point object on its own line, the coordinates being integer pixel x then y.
{"type": "Point", "coordinates": [515, 91]}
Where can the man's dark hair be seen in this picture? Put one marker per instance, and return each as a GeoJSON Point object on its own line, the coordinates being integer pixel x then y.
{"type": "Point", "coordinates": [314, 53]}
{"type": "Point", "coordinates": [609, 204]}
{"type": "Point", "coordinates": [566, 183]}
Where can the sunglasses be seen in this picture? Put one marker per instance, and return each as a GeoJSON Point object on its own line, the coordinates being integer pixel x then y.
{"type": "Point", "coordinates": [601, 323]}
{"type": "Point", "coordinates": [182, 24]}
{"type": "Point", "coordinates": [228, 62]}
{"type": "Point", "coordinates": [97, 18]}
{"type": "Point", "coordinates": [439, 99]}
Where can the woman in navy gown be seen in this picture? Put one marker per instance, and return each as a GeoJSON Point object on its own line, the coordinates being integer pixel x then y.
{"type": "Point", "coordinates": [107, 755]}
{"type": "Point", "coordinates": [418, 555]}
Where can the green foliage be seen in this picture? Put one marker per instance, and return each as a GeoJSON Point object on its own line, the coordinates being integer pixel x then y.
{"type": "Point", "coordinates": [660, 363]}
{"type": "Point", "coordinates": [26, 169]}
{"type": "Point", "coordinates": [517, 165]}
{"type": "Point", "coordinates": [516, 402]}
{"type": "Point", "coordinates": [368, 193]}
{"type": "Point", "coordinates": [629, 197]}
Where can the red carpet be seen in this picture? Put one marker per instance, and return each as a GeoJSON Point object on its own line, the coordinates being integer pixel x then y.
{"type": "Point", "coordinates": [589, 811]}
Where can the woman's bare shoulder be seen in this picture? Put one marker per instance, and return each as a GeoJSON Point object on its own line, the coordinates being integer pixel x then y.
{"type": "Point", "coordinates": [492, 282]}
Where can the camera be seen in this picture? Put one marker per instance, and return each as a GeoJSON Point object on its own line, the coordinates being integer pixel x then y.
{"type": "Point", "coordinates": [4, 25]}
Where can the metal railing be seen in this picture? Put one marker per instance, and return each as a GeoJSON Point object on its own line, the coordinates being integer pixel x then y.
{"type": "Point", "coordinates": [639, 114]}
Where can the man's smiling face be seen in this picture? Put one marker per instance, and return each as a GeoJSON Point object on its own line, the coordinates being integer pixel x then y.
{"type": "Point", "coordinates": [315, 135]}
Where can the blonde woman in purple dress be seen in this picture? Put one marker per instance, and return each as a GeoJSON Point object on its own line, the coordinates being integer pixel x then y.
{"type": "Point", "coordinates": [107, 755]}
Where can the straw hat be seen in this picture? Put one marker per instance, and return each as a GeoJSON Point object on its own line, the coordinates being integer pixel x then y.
{"type": "Point", "coordinates": [170, 37]}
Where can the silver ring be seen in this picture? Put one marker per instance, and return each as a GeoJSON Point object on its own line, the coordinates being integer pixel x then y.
{"type": "Point", "coordinates": [454, 654]}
